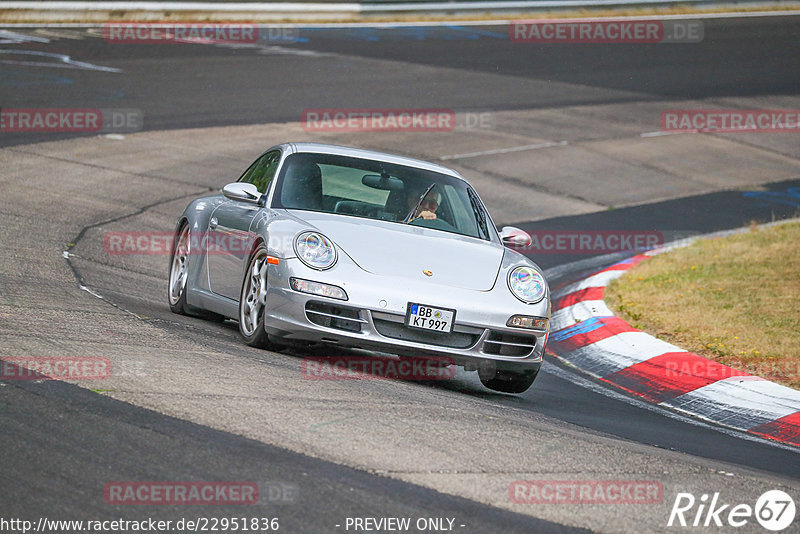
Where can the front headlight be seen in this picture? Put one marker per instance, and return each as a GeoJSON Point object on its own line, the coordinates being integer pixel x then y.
{"type": "Point", "coordinates": [315, 250]}
{"type": "Point", "coordinates": [527, 284]}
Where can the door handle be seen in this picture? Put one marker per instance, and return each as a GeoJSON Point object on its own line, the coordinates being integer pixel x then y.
{"type": "Point", "coordinates": [212, 224]}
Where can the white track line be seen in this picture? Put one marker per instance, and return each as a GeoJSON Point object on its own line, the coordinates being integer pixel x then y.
{"type": "Point", "coordinates": [504, 150]}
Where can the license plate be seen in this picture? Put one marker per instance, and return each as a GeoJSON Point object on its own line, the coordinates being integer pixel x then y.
{"type": "Point", "coordinates": [430, 318]}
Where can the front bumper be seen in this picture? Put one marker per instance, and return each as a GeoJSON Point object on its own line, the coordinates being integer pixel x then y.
{"type": "Point", "coordinates": [373, 317]}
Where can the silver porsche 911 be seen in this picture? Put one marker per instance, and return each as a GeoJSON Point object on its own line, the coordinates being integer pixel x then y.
{"type": "Point", "coordinates": [325, 244]}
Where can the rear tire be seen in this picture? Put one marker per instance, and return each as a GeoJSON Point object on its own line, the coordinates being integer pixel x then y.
{"type": "Point", "coordinates": [253, 301]}
{"type": "Point", "coordinates": [179, 272]}
{"type": "Point", "coordinates": [509, 381]}
{"type": "Point", "coordinates": [178, 277]}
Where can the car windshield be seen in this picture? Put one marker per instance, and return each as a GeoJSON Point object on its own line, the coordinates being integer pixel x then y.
{"type": "Point", "coordinates": [382, 191]}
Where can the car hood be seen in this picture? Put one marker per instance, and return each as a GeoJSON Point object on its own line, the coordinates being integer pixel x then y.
{"type": "Point", "coordinates": [400, 250]}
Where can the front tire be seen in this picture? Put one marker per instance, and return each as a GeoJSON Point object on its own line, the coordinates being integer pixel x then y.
{"type": "Point", "coordinates": [509, 381]}
{"type": "Point", "coordinates": [253, 301]}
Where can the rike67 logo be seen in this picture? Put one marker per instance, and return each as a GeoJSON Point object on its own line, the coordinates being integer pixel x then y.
{"type": "Point", "coordinates": [774, 510]}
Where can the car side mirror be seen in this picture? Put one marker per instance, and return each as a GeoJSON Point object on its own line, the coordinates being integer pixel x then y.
{"type": "Point", "coordinates": [514, 237]}
{"type": "Point", "coordinates": [242, 191]}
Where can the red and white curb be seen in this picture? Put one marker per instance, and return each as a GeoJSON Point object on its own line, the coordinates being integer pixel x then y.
{"type": "Point", "coordinates": [586, 334]}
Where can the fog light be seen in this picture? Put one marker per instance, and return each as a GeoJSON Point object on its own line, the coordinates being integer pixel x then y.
{"type": "Point", "coordinates": [533, 323]}
{"type": "Point", "coordinates": [317, 288]}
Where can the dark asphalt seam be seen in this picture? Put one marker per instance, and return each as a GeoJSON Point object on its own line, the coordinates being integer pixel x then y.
{"type": "Point", "coordinates": [74, 242]}
{"type": "Point", "coordinates": [648, 166]}
{"type": "Point", "coordinates": [536, 187]}
{"type": "Point", "coordinates": [126, 268]}
{"type": "Point", "coordinates": [763, 148]}
{"type": "Point", "coordinates": [103, 168]}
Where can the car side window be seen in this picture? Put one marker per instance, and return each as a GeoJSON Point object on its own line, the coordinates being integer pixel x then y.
{"type": "Point", "coordinates": [261, 173]}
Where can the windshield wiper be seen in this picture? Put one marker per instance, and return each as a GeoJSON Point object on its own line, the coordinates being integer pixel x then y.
{"type": "Point", "coordinates": [411, 213]}
{"type": "Point", "coordinates": [480, 216]}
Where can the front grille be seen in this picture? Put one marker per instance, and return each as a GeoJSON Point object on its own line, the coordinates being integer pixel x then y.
{"type": "Point", "coordinates": [398, 330]}
{"type": "Point", "coordinates": [505, 344]}
{"type": "Point", "coordinates": [333, 316]}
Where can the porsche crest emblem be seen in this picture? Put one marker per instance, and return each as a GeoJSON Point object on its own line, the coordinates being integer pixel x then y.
{"type": "Point", "coordinates": [427, 272]}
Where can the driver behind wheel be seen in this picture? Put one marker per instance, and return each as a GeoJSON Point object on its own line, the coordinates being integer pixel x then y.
{"type": "Point", "coordinates": [427, 208]}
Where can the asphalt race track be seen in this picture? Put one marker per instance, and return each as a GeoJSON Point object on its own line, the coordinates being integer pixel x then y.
{"type": "Point", "coordinates": [554, 137]}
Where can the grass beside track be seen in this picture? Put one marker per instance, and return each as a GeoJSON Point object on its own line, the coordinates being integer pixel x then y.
{"type": "Point", "coordinates": [735, 300]}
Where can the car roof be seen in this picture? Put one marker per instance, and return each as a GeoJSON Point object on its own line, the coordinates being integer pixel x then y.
{"type": "Point", "coordinates": [372, 154]}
